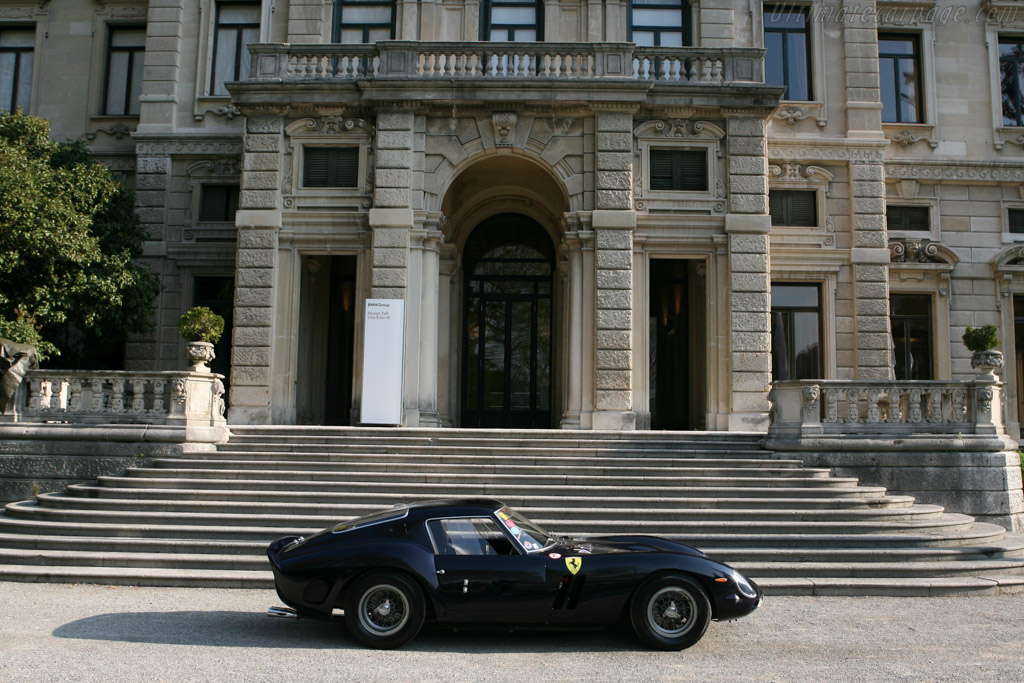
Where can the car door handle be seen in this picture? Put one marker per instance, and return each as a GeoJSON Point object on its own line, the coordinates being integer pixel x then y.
{"type": "Point", "coordinates": [440, 571]}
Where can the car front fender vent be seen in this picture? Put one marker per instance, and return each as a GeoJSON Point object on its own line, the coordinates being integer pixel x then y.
{"type": "Point", "coordinates": [569, 590]}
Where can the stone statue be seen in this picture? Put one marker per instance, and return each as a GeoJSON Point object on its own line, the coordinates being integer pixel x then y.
{"type": "Point", "coordinates": [15, 361]}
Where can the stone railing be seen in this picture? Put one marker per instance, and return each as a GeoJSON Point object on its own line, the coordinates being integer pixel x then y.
{"type": "Point", "coordinates": [187, 399]}
{"type": "Point", "coordinates": [502, 61]}
{"type": "Point", "coordinates": [853, 407]}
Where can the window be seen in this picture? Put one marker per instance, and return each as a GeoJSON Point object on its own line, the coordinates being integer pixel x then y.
{"type": "Point", "coordinates": [17, 48]}
{"type": "Point", "coordinates": [330, 167]}
{"type": "Point", "coordinates": [238, 24]}
{"type": "Point", "coordinates": [911, 319]}
{"type": "Point", "coordinates": [1015, 218]}
{"type": "Point", "coordinates": [679, 170]}
{"type": "Point", "coordinates": [1011, 73]}
{"type": "Point", "coordinates": [659, 23]}
{"type": "Point", "coordinates": [364, 21]}
{"type": "Point", "coordinates": [797, 208]}
{"type": "Point", "coordinates": [899, 72]}
{"type": "Point", "coordinates": [913, 218]}
{"type": "Point", "coordinates": [510, 20]}
{"type": "Point", "coordinates": [126, 47]}
{"type": "Point", "coordinates": [218, 203]}
{"type": "Point", "coordinates": [796, 331]}
{"type": "Point", "coordinates": [477, 536]}
{"type": "Point", "coordinates": [787, 58]}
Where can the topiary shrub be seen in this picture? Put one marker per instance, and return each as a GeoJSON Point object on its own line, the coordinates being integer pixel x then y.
{"type": "Point", "coordinates": [201, 324]}
{"type": "Point", "coordinates": [984, 338]}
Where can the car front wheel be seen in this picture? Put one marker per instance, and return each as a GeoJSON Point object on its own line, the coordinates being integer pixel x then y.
{"type": "Point", "coordinates": [384, 611]}
{"type": "Point", "coordinates": [670, 612]}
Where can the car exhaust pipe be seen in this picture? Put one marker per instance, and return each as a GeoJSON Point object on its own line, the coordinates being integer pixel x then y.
{"type": "Point", "coordinates": [282, 612]}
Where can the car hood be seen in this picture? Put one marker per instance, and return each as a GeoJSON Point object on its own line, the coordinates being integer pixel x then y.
{"type": "Point", "coordinates": [609, 545]}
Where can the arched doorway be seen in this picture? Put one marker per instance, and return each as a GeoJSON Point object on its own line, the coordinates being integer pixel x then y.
{"type": "Point", "coordinates": [508, 262]}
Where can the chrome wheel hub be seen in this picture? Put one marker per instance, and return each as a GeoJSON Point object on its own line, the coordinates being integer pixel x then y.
{"type": "Point", "coordinates": [670, 611]}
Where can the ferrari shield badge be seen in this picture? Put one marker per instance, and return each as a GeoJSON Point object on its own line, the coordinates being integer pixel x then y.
{"type": "Point", "coordinates": [574, 564]}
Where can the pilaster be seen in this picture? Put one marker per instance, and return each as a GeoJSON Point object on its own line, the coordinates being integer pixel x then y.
{"type": "Point", "coordinates": [256, 261]}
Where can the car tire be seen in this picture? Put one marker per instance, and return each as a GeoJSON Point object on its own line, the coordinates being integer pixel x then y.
{"type": "Point", "coordinates": [384, 610]}
{"type": "Point", "coordinates": [670, 612]}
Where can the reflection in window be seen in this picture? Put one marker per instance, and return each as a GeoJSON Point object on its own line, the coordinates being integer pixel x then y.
{"type": "Point", "coordinates": [796, 332]}
{"type": "Point", "coordinates": [1011, 78]}
{"type": "Point", "coordinates": [787, 43]}
{"type": "Point", "coordinates": [659, 23]}
{"type": "Point", "coordinates": [364, 21]}
{"type": "Point", "coordinates": [126, 48]}
{"type": "Point", "coordinates": [238, 25]}
{"type": "Point", "coordinates": [899, 70]}
{"type": "Point", "coordinates": [911, 319]}
{"type": "Point", "coordinates": [513, 20]}
{"type": "Point", "coordinates": [17, 48]}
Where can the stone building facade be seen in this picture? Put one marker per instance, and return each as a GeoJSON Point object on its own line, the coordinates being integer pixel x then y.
{"type": "Point", "coordinates": [599, 214]}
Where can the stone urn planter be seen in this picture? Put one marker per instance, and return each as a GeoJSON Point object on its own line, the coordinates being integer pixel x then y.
{"type": "Point", "coordinates": [198, 354]}
{"type": "Point", "coordinates": [982, 341]}
{"type": "Point", "coordinates": [201, 328]}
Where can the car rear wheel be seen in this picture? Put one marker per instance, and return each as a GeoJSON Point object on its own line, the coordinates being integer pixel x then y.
{"type": "Point", "coordinates": [384, 610]}
{"type": "Point", "coordinates": [670, 612]}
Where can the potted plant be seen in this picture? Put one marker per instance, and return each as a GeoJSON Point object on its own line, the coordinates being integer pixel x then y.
{"type": "Point", "coordinates": [983, 342]}
{"type": "Point", "coordinates": [201, 328]}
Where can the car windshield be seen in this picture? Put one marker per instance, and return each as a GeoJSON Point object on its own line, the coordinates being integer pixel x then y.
{"type": "Point", "coordinates": [530, 535]}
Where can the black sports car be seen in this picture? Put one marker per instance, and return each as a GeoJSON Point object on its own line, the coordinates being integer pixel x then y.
{"type": "Point", "coordinates": [461, 562]}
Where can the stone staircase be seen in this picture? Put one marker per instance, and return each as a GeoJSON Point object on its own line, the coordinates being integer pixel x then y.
{"type": "Point", "coordinates": [206, 519]}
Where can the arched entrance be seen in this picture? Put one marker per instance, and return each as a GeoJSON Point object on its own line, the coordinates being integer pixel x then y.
{"type": "Point", "coordinates": [508, 262]}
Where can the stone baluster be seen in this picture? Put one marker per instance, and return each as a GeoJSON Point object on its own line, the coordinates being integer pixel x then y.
{"type": "Point", "coordinates": [96, 404]}
{"type": "Point", "coordinates": [138, 396]}
{"type": "Point", "coordinates": [895, 406]}
{"type": "Point", "coordinates": [117, 400]}
{"type": "Point", "coordinates": [959, 405]}
{"type": "Point", "coordinates": [159, 387]}
{"type": "Point", "coordinates": [874, 416]}
{"type": "Point", "coordinates": [935, 406]}
{"type": "Point", "coordinates": [831, 406]}
{"type": "Point", "coordinates": [914, 397]}
{"type": "Point", "coordinates": [852, 407]}
{"type": "Point", "coordinates": [75, 396]}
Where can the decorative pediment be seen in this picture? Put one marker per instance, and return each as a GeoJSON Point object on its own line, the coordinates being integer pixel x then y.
{"type": "Point", "coordinates": [921, 251]}
{"type": "Point", "coordinates": [329, 123]}
{"type": "Point", "coordinates": [792, 172]}
{"type": "Point", "coordinates": [1014, 256]}
{"type": "Point", "coordinates": [228, 166]}
{"type": "Point", "coordinates": [679, 129]}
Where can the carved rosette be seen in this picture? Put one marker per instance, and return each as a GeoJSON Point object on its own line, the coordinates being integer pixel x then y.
{"type": "Point", "coordinates": [199, 354]}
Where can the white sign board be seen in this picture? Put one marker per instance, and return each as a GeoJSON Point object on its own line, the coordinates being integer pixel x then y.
{"type": "Point", "coordinates": [383, 355]}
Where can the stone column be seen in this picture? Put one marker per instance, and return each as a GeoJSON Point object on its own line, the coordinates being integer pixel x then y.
{"type": "Point", "coordinates": [430, 248]}
{"type": "Point", "coordinates": [574, 334]}
{"type": "Point", "coordinates": [159, 94]}
{"type": "Point", "coordinates": [259, 222]}
{"type": "Point", "coordinates": [747, 224]}
{"type": "Point", "coordinates": [152, 182]}
{"type": "Point", "coordinates": [448, 349]}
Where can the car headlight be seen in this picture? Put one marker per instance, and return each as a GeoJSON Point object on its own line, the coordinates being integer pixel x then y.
{"type": "Point", "coordinates": [743, 585]}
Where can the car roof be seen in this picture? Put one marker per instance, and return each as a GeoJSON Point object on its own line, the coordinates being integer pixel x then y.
{"type": "Point", "coordinates": [445, 507]}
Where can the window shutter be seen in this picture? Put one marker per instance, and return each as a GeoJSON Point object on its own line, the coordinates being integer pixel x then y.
{"type": "Point", "coordinates": [1016, 217]}
{"type": "Point", "coordinates": [315, 162]}
{"type": "Point", "coordinates": [661, 169]}
{"type": "Point", "coordinates": [218, 203]}
{"type": "Point", "coordinates": [679, 170]}
{"type": "Point", "coordinates": [907, 218]}
{"type": "Point", "coordinates": [347, 169]}
{"type": "Point", "coordinates": [777, 207]}
{"type": "Point", "coordinates": [802, 208]}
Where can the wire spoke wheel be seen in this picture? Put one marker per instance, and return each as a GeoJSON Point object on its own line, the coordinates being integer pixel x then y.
{"type": "Point", "coordinates": [384, 609]}
{"type": "Point", "coordinates": [670, 612]}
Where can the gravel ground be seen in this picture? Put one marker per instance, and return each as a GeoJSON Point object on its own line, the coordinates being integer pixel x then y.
{"type": "Point", "coordinates": [55, 632]}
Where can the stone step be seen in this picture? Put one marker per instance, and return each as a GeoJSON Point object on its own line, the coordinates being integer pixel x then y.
{"type": "Point", "coordinates": [668, 459]}
{"type": "Point", "coordinates": [596, 522]}
{"type": "Point", "coordinates": [867, 570]}
{"type": "Point", "coordinates": [897, 588]}
{"type": "Point", "coordinates": [537, 508]}
{"type": "Point", "coordinates": [511, 451]}
{"type": "Point", "coordinates": [116, 544]}
{"type": "Point", "coordinates": [330, 498]}
{"type": "Point", "coordinates": [506, 470]}
{"type": "Point", "coordinates": [124, 558]}
{"type": "Point", "coordinates": [566, 479]}
{"type": "Point", "coordinates": [443, 489]}
{"type": "Point", "coordinates": [139, 576]}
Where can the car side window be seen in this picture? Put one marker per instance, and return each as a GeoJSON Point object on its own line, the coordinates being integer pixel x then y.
{"type": "Point", "coordinates": [469, 536]}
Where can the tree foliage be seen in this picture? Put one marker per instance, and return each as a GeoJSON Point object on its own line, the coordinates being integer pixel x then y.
{"type": "Point", "coordinates": [69, 238]}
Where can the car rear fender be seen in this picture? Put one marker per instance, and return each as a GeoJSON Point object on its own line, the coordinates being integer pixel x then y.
{"type": "Point", "coordinates": [406, 558]}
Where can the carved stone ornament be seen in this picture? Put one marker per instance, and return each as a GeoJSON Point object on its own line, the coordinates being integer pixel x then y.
{"type": "Point", "coordinates": [906, 138]}
{"type": "Point", "coordinates": [914, 251]}
{"type": "Point", "coordinates": [229, 166]}
{"type": "Point", "coordinates": [792, 114]}
{"type": "Point", "coordinates": [199, 354]}
{"type": "Point", "coordinates": [228, 111]}
{"type": "Point", "coordinates": [987, 362]}
{"type": "Point", "coordinates": [504, 123]}
{"type": "Point", "coordinates": [118, 131]}
{"type": "Point", "coordinates": [790, 171]}
{"type": "Point", "coordinates": [15, 360]}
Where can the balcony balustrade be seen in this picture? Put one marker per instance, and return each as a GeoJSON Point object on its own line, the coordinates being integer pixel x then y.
{"type": "Point", "coordinates": [389, 60]}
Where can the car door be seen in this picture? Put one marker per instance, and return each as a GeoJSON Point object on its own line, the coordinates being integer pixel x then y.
{"type": "Point", "coordinates": [483, 577]}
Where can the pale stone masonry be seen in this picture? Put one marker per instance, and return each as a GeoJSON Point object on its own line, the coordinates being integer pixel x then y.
{"type": "Point", "coordinates": [452, 130]}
